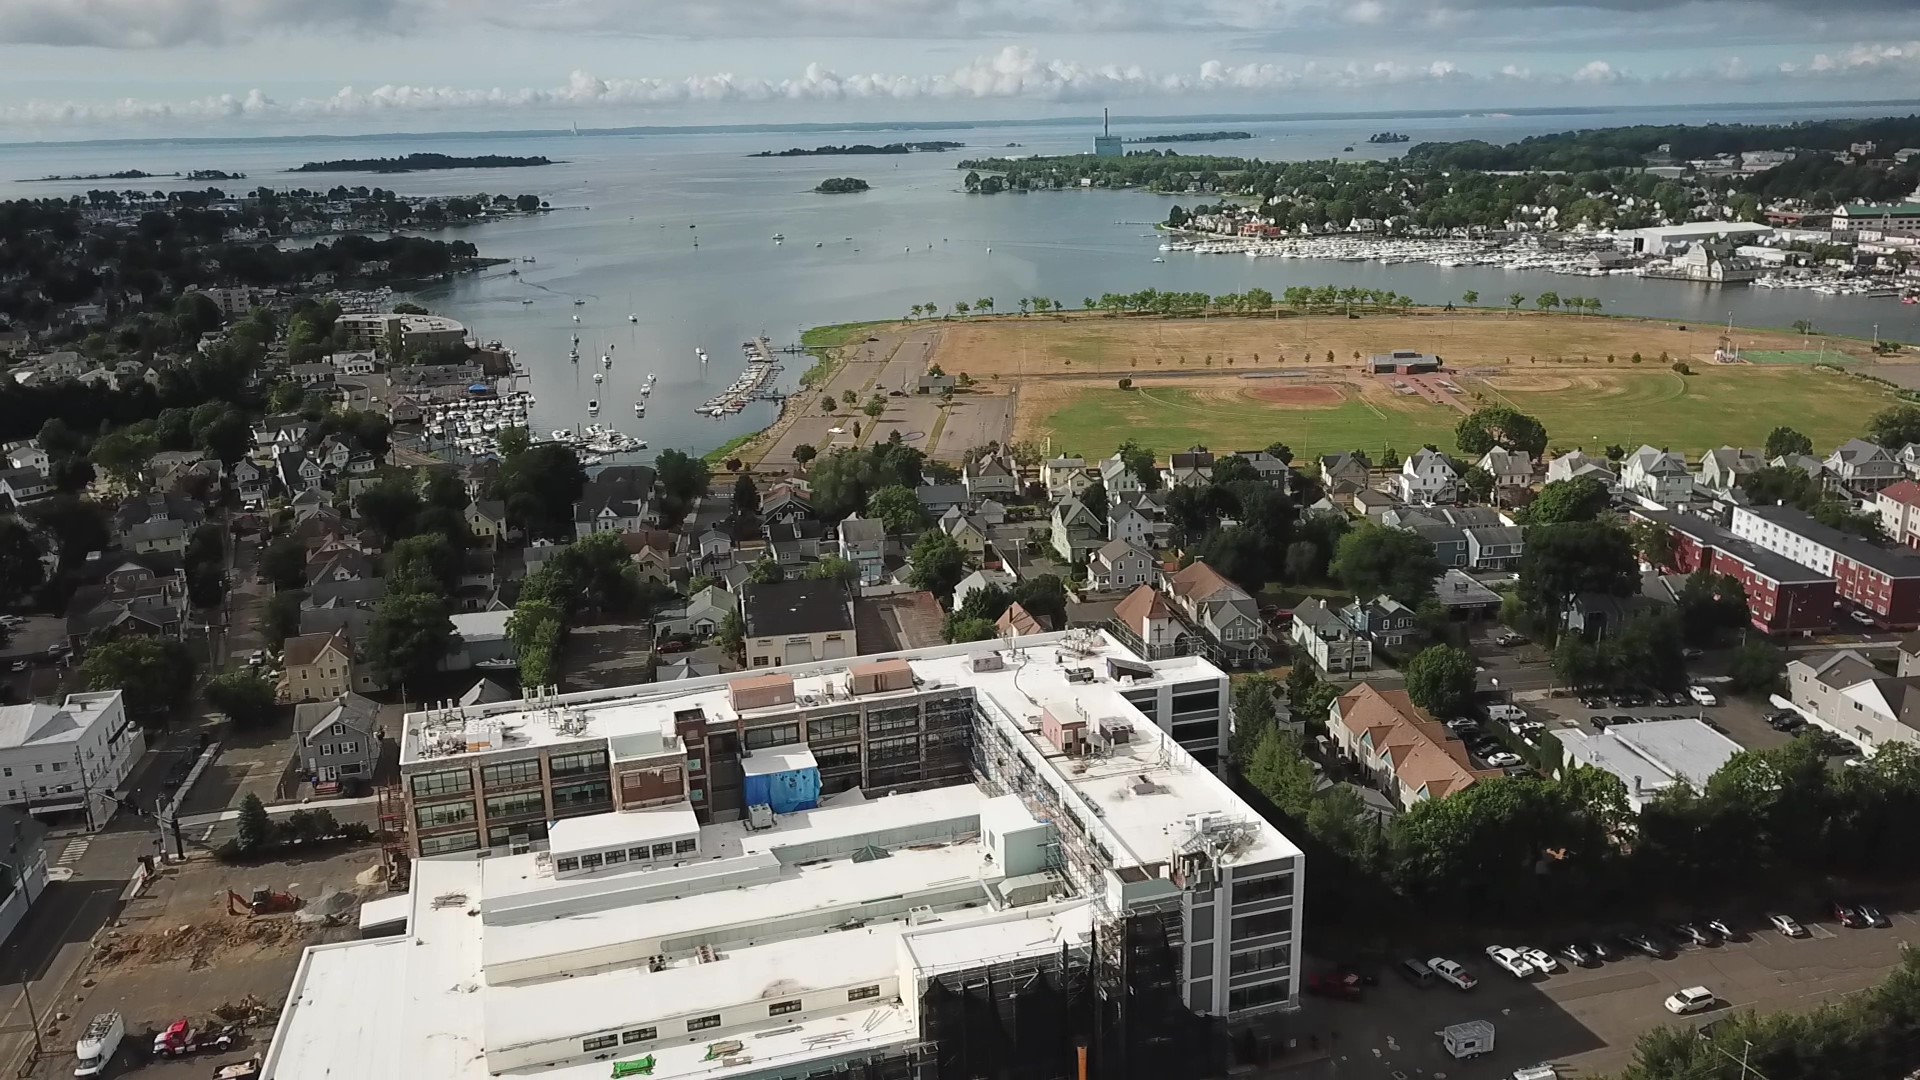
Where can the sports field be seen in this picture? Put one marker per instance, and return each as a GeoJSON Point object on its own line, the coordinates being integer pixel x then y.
{"type": "Point", "coordinates": [1581, 408]}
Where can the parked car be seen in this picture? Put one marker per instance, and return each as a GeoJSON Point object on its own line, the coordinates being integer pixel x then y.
{"type": "Point", "coordinates": [1785, 720]}
{"type": "Point", "coordinates": [1631, 699]}
{"type": "Point", "coordinates": [1702, 696]}
{"type": "Point", "coordinates": [1623, 718]}
{"type": "Point", "coordinates": [1510, 638]}
{"type": "Point", "coordinates": [673, 645]}
{"type": "Point", "coordinates": [1603, 950]}
{"type": "Point", "coordinates": [1542, 961]}
{"type": "Point", "coordinates": [1646, 942]}
{"type": "Point", "coordinates": [1849, 916]}
{"type": "Point", "coordinates": [1599, 722]}
{"type": "Point", "coordinates": [1872, 915]}
{"type": "Point", "coordinates": [1333, 985]}
{"type": "Point", "coordinates": [1862, 618]}
{"type": "Point", "coordinates": [1691, 653]}
{"type": "Point", "coordinates": [1453, 973]}
{"type": "Point", "coordinates": [1510, 961]}
{"type": "Point", "coordinates": [1577, 954]}
{"type": "Point", "coordinates": [1691, 1000]}
{"type": "Point", "coordinates": [1416, 972]}
{"type": "Point", "coordinates": [1460, 724]}
{"type": "Point", "coordinates": [1529, 727]}
{"type": "Point", "coordinates": [1500, 759]}
{"type": "Point", "coordinates": [1787, 925]}
{"type": "Point", "coordinates": [1688, 932]}
{"type": "Point", "coordinates": [1721, 927]}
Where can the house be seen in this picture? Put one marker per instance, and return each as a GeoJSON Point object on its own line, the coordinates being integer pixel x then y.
{"type": "Point", "coordinates": [1224, 613]}
{"type": "Point", "coordinates": [1845, 693]}
{"type": "Point", "coordinates": [1319, 633]}
{"type": "Point", "coordinates": [651, 553]}
{"type": "Point", "coordinates": [1118, 479]}
{"type": "Point", "coordinates": [331, 564]}
{"type": "Point", "coordinates": [337, 740]}
{"type": "Point", "coordinates": [968, 531]}
{"type": "Point", "coordinates": [1385, 621]}
{"type": "Point", "coordinates": [1863, 467]}
{"type": "Point", "coordinates": [321, 667]}
{"type": "Point", "coordinates": [487, 521]}
{"type": "Point", "coordinates": [783, 504]}
{"type": "Point", "coordinates": [905, 620]}
{"type": "Point", "coordinates": [1659, 475]}
{"type": "Point", "coordinates": [480, 640]}
{"type": "Point", "coordinates": [1881, 582]}
{"type": "Point", "coordinates": [980, 579]}
{"type": "Point", "coordinates": [299, 471]}
{"type": "Point", "coordinates": [1269, 468]}
{"type": "Point", "coordinates": [156, 507]}
{"type": "Point", "coordinates": [701, 617]}
{"type": "Point", "coordinates": [1651, 756]}
{"type": "Point", "coordinates": [1074, 531]}
{"type": "Point", "coordinates": [1509, 468]}
{"type": "Point", "coordinates": [1806, 463]}
{"type": "Point", "coordinates": [991, 474]}
{"type": "Point", "coordinates": [714, 550]}
{"type": "Point", "coordinates": [21, 486]}
{"type": "Point", "coordinates": [250, 482]}
{"type": "Point", "coordinates": [863, 542]}
{"type": "Point", "coordinates": [1120, 565]}
{"type": "Point", "coordinates": [992, 512]}
{"type": "Point", "coordinates": [61, 758]}
{"type": "Point", "coordinates": [1465, 599]}
{"type": "Point", "coordinates": [1146, 621]}
{"type": "Point", "coordinates": [1428, 477]}
{"type": "Point", "coordinates": [937, 499]}
{"type": "Point", "coordinates": [796, 541]}
{"type": "Point", "coordinates": [1348, 469]}
{"type": "Point", "coordinates": [312, 376]}
{"type": "Point", "coordinates": [1908, 456]}
{"type": "Point", "coordinates": [1898, 505]}
{"type": "Point", "coordinates": [618, 499]}
{"type": "Point", "coordinates": [26, 454]}
{"type": "Point", "coordinates": [1064, 477]}
{"type": "Point", "coordinates": [1575, 464]}
{"type": "Point", "coordinates": [937, 383]}
{"type": "Point", "coordinates": [1138, 521]}
{"type": "Point", "coordinates": [1412, 756]}
{"type": "Point", "coordinates": [1494, 547]}
{"type": "Point", "coordinates": [797, 622]}
{"type": "Point", "coordinates": [1721, 470]}
{"type": "Point", "coordinates": [1017, 621]}
{"type": "Point", "coordinates": [131, 599]}
{"type": "Point", "coordinates": [684, 667]}
{"type": "Point", "coordinates": [1193, 468]}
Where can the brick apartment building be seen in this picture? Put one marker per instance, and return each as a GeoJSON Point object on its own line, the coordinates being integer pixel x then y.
{"type": "Point", "coordinates": [1882, 581]}
{"type": "Point", "coordinates": [1783, 596]}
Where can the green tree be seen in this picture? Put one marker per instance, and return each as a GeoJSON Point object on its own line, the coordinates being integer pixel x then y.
{"type": "Point", "coordinates": [731, 634]}
{"type": "Point", "coordinates": [253, 830]}
{"type": "Point", "coordinates": [1711, 606]}
{"type": "Point", "coordinates": [1564, 560]}
{"type": "Point", "coordinates": [1783, 441]}
{"type": "Point", "coordinates": [1470, 298]}
{"type": "Point", "coordinates": [539, 487]}
{"type": "Point", "coordinates": [1280, 771]}
{"type": "Point", "coordinates": [1756, 668]}
{"type": "Point", "coordinates": [1547, 300]}
{"type": "Point", "coordinates": [1500, 425]}
{"type": "Point", "coordinates": [409, 636]}
{"type": "Point", "coordinates": [936, 564]}
{"type": "Point", "coordinates": [1892, 427]}
{"type": "Point", "coordinates": [1255, 712]}
{"type": "Point", "coordinates": [1094, 498]}
{"type": "Point", "coordinates": [875, 407]}
{"type": "Point", "coordinates": [683, 478]}
{"type": "Point", "coordinates": [124, 454]}
{"type": "Point", "coordinates": [1139, 462]}
{"type": "Point", "coordinates": [243, 696]}
{"type": "Point", "coordinates": [536, 628]}
{"type": "Point", "coordinates": [1653, 544]}
{"type": "Point", "coordinates": [423, 564]}
{"type": "Point", "coordinates": [1373, 559]}
{"type": "Point", "coordinates": [1514, 300]}
{"type": "Point", "coordinates": [746, 497]}
{"type": "Point", "coordinates": [804, 453]}
{"type": "Point", "coordinates": [21, 570]}
{"type": "Point", "coordinates": [155, 675]}
{"type": "Point", "coordinates": [1477, 483]}
{"type": "Point", "coordinates": [1440, 679]}
{"type": "Point", "coordinates": [765, 571]}
{"type": "Point", "coordinates": [1581, 499]}
{"type": "Point", "coordinates": [513, 441]}
{"type": "Point", "coordinates": [282, 618]}
{"type": "Point", "coordinates": [833, 568]}
{"type": "Point", "coordinates": [897, 507]}
{"type": "Point", "coordinates": [959, 629]}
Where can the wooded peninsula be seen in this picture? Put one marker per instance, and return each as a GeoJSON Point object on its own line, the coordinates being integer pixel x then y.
{"type": "Point", "coordinates": [422, 163]}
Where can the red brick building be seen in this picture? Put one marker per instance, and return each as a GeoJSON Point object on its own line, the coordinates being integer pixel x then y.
{"type": "Point", "coordinates": [1882, 581]}
{"type": "Point", "coordinates": [1783, 596]}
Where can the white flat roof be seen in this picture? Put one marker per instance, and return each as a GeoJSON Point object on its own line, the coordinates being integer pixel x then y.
{"type": "Point", "coordinates": [1021, 932]}
{"type": "Point", "coordinates": [784, 759]}
{"type": "Point", "coordinates": [622, 828]}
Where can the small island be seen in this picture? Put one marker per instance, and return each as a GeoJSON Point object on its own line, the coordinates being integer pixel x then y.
{"type": "Point", "coordinates": [840, 185]}
{"type": "Point", "coordinates": [1194, 136]}
{"type": "Point", "coordinates": [421, 163]}
{"type": "Point", "coordinates": [124, 174]}
{"type": "Point", "coordinates": [1389, 137]}
{"type": "Point", "coordinates": [934, 147]}
{"type": "Point", "coordinates": [214, 175]}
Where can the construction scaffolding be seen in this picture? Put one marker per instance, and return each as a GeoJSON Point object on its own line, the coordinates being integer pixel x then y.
{"type": "Point", "coordinates": [1026, 1019]}
{"type": "Point", "coordinates": [396, 850]}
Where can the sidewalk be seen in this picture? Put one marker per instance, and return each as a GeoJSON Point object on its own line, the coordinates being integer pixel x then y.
{"type": "Point", "coordinates": [277, 810]}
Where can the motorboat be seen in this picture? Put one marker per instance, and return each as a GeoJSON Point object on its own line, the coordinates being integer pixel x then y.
{"type": "Point", "coordinates": [579, 303]}
{"type": "Point", "coordinates": [633, 318]}
{"type": "Point", "coordinates": [599, 377]}
{"type": "Point", "coordinates": [1158, 259]}
{"type": "Point", "coordinates": [576, 318]}
{"type": "Point", "coordinates": [528, 300]}
{"type": "Point", "coordinates": [605, 360]}
{"type": "Point", "coordinates": [777, 237]}
{"type": "Point", "coordinates": [593, 405]}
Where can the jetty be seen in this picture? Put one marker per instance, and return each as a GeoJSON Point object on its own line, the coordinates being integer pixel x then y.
{"type": "Point", "coordinates": [753, 383]}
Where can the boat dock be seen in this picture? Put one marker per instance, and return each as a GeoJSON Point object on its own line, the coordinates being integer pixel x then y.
{"type": "Point", "coordinates": [753, 383]}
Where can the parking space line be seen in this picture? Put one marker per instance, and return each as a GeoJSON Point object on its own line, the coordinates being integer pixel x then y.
{"type": "Point", "coordinates": [1818, 931]}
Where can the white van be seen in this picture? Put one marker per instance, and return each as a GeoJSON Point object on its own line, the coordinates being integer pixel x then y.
{"type": "Point", "coordinates": [1507, 714]}
{"type": "Point", "coordinates": [97, 1044]}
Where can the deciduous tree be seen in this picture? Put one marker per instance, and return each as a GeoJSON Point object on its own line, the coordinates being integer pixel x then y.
{"type": "Point", "coordinates": [1440, 679]}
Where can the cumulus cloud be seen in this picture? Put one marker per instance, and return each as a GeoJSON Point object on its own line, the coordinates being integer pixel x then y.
{"type": "Point", "coordinates": [1012, 73]}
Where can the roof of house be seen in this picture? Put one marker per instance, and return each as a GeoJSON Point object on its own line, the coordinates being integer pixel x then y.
{"type": "Point", "coordinates": [1017, 620]}
{"type": "Point", "coordinates": [1855, 450]}
{"type": "Point", "coordinates": [1202, 584]}
{"type": "Point", "coordinates": [1317, 616]}
{"type": "Point", "coordinates": [1422, 751]}
{"type": "Point", "coordinates": [1190, 459]}
{"type": "Point", "coordinates": [491, 509]}
{"type": "Point", "coordinates": [1114, 550]}
{"type": "Point", "coordinates": [909, 620]}
{"type": "Point", "coordinates": [1456, 588]}
{"type": "Point", "coordinates": [1905, 492]}
{"type": "Point", "coordinates": [621, 489]}
{"type": "Point", "coordinates": [859, 530]}
{"type": "Point", "coordinates": [359, 713]}
{"type": "Point", "coordinates": [800, 606]}
{"type": "Point", "coordinates": [940, 494]}
{"type": "Point", "coordinates": [1141, 604]}
{"type": "Point", "coordinates": [305, 649]}
{"type": "Point", "coordinates": [485, 692]}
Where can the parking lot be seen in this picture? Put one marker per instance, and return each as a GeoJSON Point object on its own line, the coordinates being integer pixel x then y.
{"type": "Point", "coordinates": [1588, 1019]}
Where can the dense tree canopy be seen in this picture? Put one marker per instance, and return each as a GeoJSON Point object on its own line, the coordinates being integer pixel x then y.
{"type": "Point", "coordinates": [1500, 425]}
{"type": "Point", "coordinates": [1374, 559]}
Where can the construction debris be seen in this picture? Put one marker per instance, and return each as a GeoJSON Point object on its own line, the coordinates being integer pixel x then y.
{"type": "Point", "coordinates": [200, 943]}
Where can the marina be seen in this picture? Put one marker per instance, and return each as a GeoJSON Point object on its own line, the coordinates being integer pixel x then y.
{"type": "Point", "coordinates": [473, 425]}
{"type": "Point", "coordinates": [753, 383]}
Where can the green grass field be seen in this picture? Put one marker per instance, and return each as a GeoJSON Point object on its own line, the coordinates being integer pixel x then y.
{"type": "Point", "coordinates": [1798, 356]}
{"type": "Point", "coordinates": [1735, 406]}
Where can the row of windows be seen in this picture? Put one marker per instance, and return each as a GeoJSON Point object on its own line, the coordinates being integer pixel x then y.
{"type": "Point", "coordinates": [761, 738]}
{"type": "Point", "coordinates": [830, 758]}
{"type": "Point", "coordinates": [574, 764]}
{"type": "Point", "coordinates": [441, 815]}
{"type": "Point", "coordinates": [440, 845]}
{"type": "Point", "coordinates": [1279, 921]}
{"type": "Point", "coordinates": [1252, 996]}
{"type": "Point", "coordinates": [1277, 956]}
{"type": "Point", "coordinates": [1262, 889]}
{"type": "Point", "coordinates": [883, 721]}
{"type": "Point", "coordinates": [845, 726]}
{"type": "Point", "coordinates": [594, 860]}
{"type": "Point", "coordinates": [427, 785]}
{"type": "Point", "coordinates": [511, 773]}
{"type": "Point", "coordinates": [526, 802]}
{"type": "Point", "coordinates": [575, 796]}
{"type": "Point", "coordinates": [893, 751]}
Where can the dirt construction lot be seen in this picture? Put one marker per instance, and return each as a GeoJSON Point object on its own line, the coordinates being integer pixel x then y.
{"type": "Point", "coordinates": [176, 952]}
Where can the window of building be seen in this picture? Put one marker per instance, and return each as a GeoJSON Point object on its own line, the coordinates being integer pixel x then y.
{"type": "Point", "coordinates": [863, 993]}
{"type": "Point", "coordinates": [563, 865]}
{"type": "Point", "coordinates": [441, 815]}
{"type": "Point", "coordinates": [1277, 956]}
{"type": "Point", "coordinates": [663, 851]}
{"type": "Point", "coordinates": [440, 845]}
{"type": "Point", "coordinates": [832, 758]}
{"type": "Point", "coordinates": [782, 1008]}
{"type": "Point", "coordinates": [637, 1035]}
{"type": "Point", "coordinates": [702, 1023]}
{"type": "Point", "coordinates": [884, 721]}
{"type": "Point", "coordinates": [1263, 889]}
{"type": "Point", "coordinates": [829, 728]}
{"type": "Point", "coordinates": [1264, 994]}
{"type": "Point", "coordinates": [1267, 922]}
{"type": "Point", "coordinates": [598, 1042]}
{"type": "Point", "coordinates": [526, 832]}
{"type": "Point", "coordinates": [338, 729]}
{"type": "Point", "coordinates": [761, 738]}
{"type": "Point", "coordinates": [59, 766]}
{"type": "Point", "coordinates": [564, 765]}
{"type": "Point", "coordinates": [683, 847]}
{"type": "Point", "coordinates": [526, 802]}
{"type": "Point", "coordinates": [881, 752]}
{"type": "Point", "coordinates": [576, 796]}
{"type": "Point", "coordinates": [511, 773]}
{"type": "Point", "coordinates": [759, 661]}
{"type": "Point", "coordinates": [427, 785]}
{"type": "Point", "coordinates": [617, 855]}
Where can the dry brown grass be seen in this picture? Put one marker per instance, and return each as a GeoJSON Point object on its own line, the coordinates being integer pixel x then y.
{"type": "Point", "coordinates": [1069, 345]}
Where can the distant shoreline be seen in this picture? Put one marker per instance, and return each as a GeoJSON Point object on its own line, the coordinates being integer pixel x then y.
{"type": "Point", "coordinates": [421, 162]}
{"type": "Point", "coordinates": [863, 149]}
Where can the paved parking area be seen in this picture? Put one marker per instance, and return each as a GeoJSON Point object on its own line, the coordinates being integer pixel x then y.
{"type": "Point", "coordinates": [1741, 719]}
{"type": "Point", "coordinates": [1588, 1019]}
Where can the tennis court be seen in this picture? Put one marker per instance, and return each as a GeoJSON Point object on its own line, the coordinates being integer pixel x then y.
{"type": "Point", "coordinates": [1797, 356]}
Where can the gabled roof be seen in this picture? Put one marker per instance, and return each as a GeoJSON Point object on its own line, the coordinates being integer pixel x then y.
{"type": "Point", "coordinates": [859, 530]}
{"type": "Point", "coordinates": [622, 490]}
{"type": "Point", "coordinates": [1017, 620]}
{"type": "Point", "coordinates": [305, 649]}
{"type": "Point", "coordinates": [1140, 605]}
{"type": "Point", "coordinates": [1906, 492]}
{"type": "Point", "coordinates": [493, 510]}
{"type": "Point", "coordinates": [1114, 550]}
{"type": "Point", "coordinates": [356, 712]}
{"type": "Point", "coordinates": [1854, 451]}
{"type": "Point", "coordinates": [1422, 753]}
{"type": "Point", "coordinates": [1203, 584]}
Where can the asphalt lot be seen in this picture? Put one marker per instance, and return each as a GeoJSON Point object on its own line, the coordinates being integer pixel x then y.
{"type": "Point", "coordinates": [1588, 1019]}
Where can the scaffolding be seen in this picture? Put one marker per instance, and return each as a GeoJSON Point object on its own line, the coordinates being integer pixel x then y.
{"type": "Point", "coordinates": [396, 851]}
{"type": "Point", "coordinates": [1024, 1019]}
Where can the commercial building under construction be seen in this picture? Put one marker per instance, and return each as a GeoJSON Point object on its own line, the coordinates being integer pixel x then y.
{"type": "Point", "coordinates": [1078, 898]}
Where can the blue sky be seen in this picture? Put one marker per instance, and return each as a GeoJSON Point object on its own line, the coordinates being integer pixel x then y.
{"type": "Point", "coordinates": [101, 68]}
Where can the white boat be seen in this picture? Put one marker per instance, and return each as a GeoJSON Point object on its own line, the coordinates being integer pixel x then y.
{"type": "Point", "coordinates": [578, 303]}
{"type": "Point", "coordinates": [529, 300]}
{"type": "Point", "coordinates": [593, 405]}
{"type": "Point", "coordinates": [633, 318]}
{"type": "Point", "coordinates": [599, 377]}
{"type": "Point", "coordinates": [639, 409]}
{"type": "Point", "coordinates": [777, 237]}
{"type": "Point", "coordinates": [1158, 259]}
{"type": "Point", "coordinates": [576, 318]}
{"type": "Point", "coordinates": [606, 360]}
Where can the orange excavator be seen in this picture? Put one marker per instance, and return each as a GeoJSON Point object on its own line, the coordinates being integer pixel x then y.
{"type": "Point", "coordinates": [264, 901]}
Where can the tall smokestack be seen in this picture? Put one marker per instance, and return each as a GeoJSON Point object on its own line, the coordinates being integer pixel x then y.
{"type": "Point", "coordinates": [1104, 128]}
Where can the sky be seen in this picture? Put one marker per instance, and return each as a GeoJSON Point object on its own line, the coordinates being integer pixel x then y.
{"type": "Point", "coordinates": [77, 69]}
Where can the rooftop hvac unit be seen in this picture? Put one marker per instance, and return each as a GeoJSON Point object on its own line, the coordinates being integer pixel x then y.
{"type": "Point", "coordinates": [760, 816]}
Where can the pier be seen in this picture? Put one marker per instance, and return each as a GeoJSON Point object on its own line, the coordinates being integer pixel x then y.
{"type": "Point", "coordinates": [753, 383]}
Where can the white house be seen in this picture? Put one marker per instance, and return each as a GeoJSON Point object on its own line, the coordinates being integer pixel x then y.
{"type": "Point", "coordinates": [1863, 466]}
{"type": "Point", "coordinates": [1509, 468]}
{"type": "Point", "coordinates": [980, 579]}
{"type": "Point", "coordinates": [1721, 470]}
{"type": "Point", "coordinates": [1574, 464]}
{"type": "Point", "coordinates": [1426, 476]}
{"type": "Point", "coordinates": [863, 542]}
{"type": "Point", "coordinates": [1065, 476]}
{"type": "Point", "coordinates": [1118, 479]}
{"type": "Point", "coordinates": [1335, 647]}
{"type": "Point", "coordinates": [1659, 475]}
{"type": "Point", "coordinates": [1075, 531]}
{"type": "Point", "coordinates": [1120, 565]}
{"type": "Point", "coordinates": [1192, 468]}
{"type": "Point", "coordinates": [69, 757]}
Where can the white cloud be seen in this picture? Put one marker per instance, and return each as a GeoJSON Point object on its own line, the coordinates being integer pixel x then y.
{"type": "Point", "coordinates": [1598, 71]}
{"type": "Point", "coordinates": [144, 24]}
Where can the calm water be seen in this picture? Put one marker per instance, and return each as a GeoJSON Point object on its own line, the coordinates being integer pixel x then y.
{"type": "Point", "coordinates": [634, 207]}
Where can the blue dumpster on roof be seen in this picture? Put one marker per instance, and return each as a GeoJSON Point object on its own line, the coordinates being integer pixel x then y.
{"type": "Point", "coordinates": [786, 779]}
